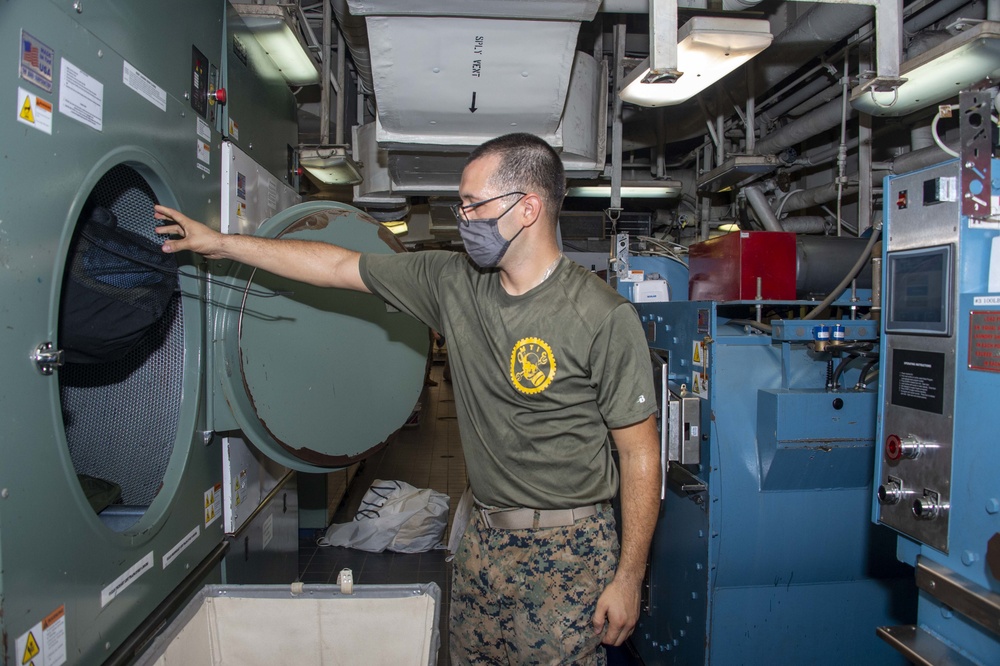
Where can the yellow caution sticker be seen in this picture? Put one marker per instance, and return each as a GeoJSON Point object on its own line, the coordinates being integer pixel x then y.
{"type": "Point", "coordinates": [30, 648]}
{"type": "Point", "coordinates": [44, 644]}
{"type": "Point", "coordinates": [34, 111]}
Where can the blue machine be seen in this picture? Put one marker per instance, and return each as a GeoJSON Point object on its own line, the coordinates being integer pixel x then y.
{"type": "Point", "coordinates": [939, 468]}
{"type": "Point", "coordinates": [765, 552]}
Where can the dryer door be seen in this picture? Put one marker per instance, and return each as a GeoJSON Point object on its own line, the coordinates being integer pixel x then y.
{"type": "Point", "coordinates": [316, 378]}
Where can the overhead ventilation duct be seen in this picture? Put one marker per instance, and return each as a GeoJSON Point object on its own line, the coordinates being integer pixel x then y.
{"type": "Point", "coordinates": [451, 74]}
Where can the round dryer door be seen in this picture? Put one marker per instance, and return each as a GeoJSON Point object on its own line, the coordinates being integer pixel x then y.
{"type": "Point", "coordinates": [316, 378]}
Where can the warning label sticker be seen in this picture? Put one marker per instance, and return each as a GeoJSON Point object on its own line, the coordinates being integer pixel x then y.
{"type": "Point", "coordinates": [213, 504]}
{"type": "Point", "coordinates": [34, 111]}
{"type": "Point", "coordinates": [144, 86]}
{"type": "Point", "coordinates": [45, 643]}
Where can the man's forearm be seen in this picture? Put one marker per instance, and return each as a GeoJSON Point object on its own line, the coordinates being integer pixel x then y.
{"type": "Point", "coordinates": [640, 498]}
{"type": "Point", "coordinates": [321, 264]}
{"type": "Point", "coordinates": [312, 262]}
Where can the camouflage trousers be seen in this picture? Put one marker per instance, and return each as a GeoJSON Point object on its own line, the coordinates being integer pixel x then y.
{"type": "Point", "coordinates": [529, 596]}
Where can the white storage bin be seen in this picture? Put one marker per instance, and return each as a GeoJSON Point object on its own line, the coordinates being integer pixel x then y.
{"type": "Point", "coordinates": [268, 624]}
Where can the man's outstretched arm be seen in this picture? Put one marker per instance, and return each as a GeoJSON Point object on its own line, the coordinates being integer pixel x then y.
{"type": "Point", "coordinates": [320, 264]}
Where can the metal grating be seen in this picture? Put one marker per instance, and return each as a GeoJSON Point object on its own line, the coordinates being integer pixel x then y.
{"type": "Point", "coordinates": [121, 417]}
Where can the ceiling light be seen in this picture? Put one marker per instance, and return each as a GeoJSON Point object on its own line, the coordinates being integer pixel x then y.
{"type": "Point", "coordinates": [708, 48]}
{"type": "Point", "coordinates": [653, 189]}
{"type": "Point", "coordinates": [279, 36]}
{"type": "Point", "coordinates": [330, 164]}
{"type": "Point", "coordinates": [937, 74]}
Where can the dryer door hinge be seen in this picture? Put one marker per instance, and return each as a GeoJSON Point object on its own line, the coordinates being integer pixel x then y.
{"type": "Point", "coordinates": [47, 358]}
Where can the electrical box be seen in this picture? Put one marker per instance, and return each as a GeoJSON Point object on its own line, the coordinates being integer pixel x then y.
{"type": "Point", "coordinates": [743, 266]}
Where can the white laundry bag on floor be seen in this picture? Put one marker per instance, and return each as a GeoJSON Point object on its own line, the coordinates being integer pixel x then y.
{"type": "Point", "coordinates": [393, 516]}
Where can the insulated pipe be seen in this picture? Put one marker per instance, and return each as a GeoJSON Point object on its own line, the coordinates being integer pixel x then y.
{"type": "Point", "coordinates": [804, 224]}
{"type": "Point", "coordinates": [758, 202]}
{"type": "Point", "coordinates": [806, 92]}
{"type": "Point", "coordinates": [807, 126]}
{"type": "Point", "coordinates": [324, 100]}
{"type": "Point", "coordinates": [814, 196]}
{"type": "Point", "coordinates": [816, 30]}
{"type": "Point", "coordinates": [916, 159]}
{"type": "Point", "coordinates": [355, 32]}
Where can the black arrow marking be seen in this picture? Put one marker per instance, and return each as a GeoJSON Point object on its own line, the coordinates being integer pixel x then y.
{"type": "Point", "coordinates": [473, 107]}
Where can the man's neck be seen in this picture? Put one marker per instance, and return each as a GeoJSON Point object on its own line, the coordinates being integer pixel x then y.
{"type": "Point", "coordinates": [523, 274]}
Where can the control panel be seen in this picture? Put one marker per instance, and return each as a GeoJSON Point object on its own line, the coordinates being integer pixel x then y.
{"type": "Point", "coordinates": [922, 252]}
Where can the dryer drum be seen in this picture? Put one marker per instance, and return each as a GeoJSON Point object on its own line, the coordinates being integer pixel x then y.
{"type": "Point", "coordinates": [118, 286]}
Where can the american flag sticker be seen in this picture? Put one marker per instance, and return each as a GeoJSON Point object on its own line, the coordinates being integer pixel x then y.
{"type": "Point", "coordinates": [36, 62]}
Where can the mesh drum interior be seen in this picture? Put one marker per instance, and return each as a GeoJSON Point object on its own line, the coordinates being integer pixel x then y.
{"type": "Point", "coordinates": [121, 417]}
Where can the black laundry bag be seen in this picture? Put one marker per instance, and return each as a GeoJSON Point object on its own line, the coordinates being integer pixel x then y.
{"type": "Point", "coordinates": [118, 286]}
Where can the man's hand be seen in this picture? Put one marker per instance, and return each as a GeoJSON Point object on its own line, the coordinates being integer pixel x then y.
{"type": "Point", "coordinates": [617, 612]}
{"type": "Point", "coordinates": [193, 236]}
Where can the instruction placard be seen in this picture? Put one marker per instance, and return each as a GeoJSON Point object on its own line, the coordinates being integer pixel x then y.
{"type": "Point", "coordinates": [126, 579]}
{"type": "Point", "coordinates": [143, 85]}
{"type": "Point", "coordinates": [81, 96]}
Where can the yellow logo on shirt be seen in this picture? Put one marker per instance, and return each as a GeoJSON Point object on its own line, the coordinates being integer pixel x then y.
{"type": "Point", "coordinates": [532, 365]}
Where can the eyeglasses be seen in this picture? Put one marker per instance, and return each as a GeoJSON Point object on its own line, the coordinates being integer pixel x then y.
{"type": "Point", "coordinates": [462, 212]}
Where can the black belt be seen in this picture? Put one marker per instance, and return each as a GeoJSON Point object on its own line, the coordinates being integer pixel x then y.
{"type": "Point", "coordinates": [526, 519]}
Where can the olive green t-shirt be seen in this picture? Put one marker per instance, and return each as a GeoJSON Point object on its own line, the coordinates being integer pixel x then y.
{"type": "Point", "coordinates": [538, 378]}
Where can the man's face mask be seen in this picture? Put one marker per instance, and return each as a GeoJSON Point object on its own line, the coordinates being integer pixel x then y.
{"type": "Point", "coordinates": [483, 241]}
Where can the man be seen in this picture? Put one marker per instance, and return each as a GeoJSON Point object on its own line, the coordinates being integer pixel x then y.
{"type": "Point", "coordinates": [545, 359]}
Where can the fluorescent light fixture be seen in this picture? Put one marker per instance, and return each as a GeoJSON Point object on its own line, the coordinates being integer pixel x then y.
{"type": "Point", "coordinates": [653, 189]}
{"type": "Point", "coordinates": [937, 74]}
{"type": "Point", "coordinates": [708, 48]}
{"type": "Point", "coordinates": [729, 228]}
{"type": "Point", "coordinates": [281, 40]}
{"type": "Point", "coordinates": [330, 164]}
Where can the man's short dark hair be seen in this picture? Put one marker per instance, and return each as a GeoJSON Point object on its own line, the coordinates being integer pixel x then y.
{"type": "Point", "coordinates": [527, 164]}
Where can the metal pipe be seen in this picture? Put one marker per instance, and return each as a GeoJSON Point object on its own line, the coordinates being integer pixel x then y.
{"type": "Point", "coordinates": [342, 83]}
{"type": "Point", "coordinates": [820, 120]}
{"type": "Point", "coordinates": [804, 224]}
{"type": "Point", "coordinates": [814, 196]}
{"type": "Point", "coordinates": [355, 32]}
{"type": "Point", "coordinates": [324, 100]}
{"type": "Point", "coordinates": [916, 159]}
{"type": "Point", "coordinates": [758, 202]}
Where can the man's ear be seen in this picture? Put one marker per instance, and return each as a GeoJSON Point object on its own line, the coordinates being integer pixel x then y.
{"type": "Point", "coordinates": [531, 209]}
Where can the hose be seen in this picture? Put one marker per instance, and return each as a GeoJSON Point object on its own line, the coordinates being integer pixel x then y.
{"type": "Point", "coordinates": [851, 274]}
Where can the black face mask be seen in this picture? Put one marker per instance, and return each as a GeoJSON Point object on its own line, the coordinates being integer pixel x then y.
{"type": "Point", "coordinates": [483, 240]}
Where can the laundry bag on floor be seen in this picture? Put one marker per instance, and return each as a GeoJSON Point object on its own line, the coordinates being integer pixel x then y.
{"type": "Point", "coordinates": [393, 516]}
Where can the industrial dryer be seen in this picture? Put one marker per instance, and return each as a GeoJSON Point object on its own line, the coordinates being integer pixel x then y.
{"type": "Point", "coordinates": [111, 117]}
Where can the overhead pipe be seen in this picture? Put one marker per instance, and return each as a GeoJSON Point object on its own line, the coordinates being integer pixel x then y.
{"type": "Point", "coordinates": [816, 30]}
{"type": "Point", "coordinates": [912, 161]}
{"type": "Point", "coordinates": [827, 116]}
{"type": "Point", "coordinates": [758, 202]}
{"type": "Point", "coordinates": [355, 32]}
{"type": "Point", "coordinates": [814, 196]}
{"type": "Point", "coordinates": [805, 224]}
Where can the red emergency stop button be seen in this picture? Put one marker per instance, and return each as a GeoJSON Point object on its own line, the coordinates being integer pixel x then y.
{"type": "Point", "coordinates": [893, 447]}
{"type": "Point", "coordinates": [220, 96]}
